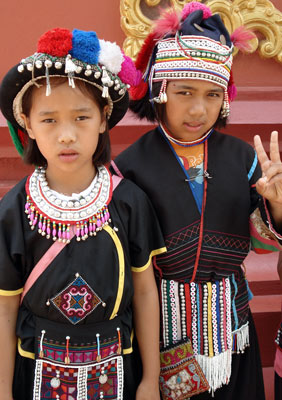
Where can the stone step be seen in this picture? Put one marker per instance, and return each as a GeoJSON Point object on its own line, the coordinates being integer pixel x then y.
{"type": "Point", "coordinates": [261, 271]}
{"type": "Point", "coordinates": [268, 377]}
{"type": "Point", "coordinates": [12, 166]}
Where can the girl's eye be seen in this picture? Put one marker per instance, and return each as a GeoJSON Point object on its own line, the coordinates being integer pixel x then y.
{"type": "Point", "coordinates": [48, 120]}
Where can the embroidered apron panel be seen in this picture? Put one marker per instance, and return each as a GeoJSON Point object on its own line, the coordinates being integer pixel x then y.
{"type": "Point", "coordinates": [84, 365]}
{"type": "Point", "coordinates": [54, 381]}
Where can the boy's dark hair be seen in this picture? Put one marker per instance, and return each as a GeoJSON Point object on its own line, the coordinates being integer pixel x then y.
{"type": "Point", "coordinates": [102, 155]}
{"type": "Point", "coordinates": [153, 112]}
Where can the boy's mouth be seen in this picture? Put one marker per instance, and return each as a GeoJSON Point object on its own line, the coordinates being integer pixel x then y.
{"type": "Point", "coordinates": [194, 126]}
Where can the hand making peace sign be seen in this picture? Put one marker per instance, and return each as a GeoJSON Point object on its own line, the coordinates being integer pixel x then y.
{"type": "Point", "coordinates": [270, 184]}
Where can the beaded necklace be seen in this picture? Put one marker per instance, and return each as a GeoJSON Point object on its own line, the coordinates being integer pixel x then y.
{"type": "Point", "coordinates": [54, 216]}
{"type": "Point", "coordinates": [202, 139]}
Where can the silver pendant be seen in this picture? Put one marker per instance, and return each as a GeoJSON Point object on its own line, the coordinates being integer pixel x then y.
{"type": "Point", "coordinates": [103, 379]}
{"type": "Point", "coordinates": [55, 383]}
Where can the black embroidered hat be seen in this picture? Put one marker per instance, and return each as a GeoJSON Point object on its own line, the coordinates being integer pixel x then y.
{"type": "Point", "coordinates": [74, 55]}
{"type": "Point", "coordinates": [193, 44]}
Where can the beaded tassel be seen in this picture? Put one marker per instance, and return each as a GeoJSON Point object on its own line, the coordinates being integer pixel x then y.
{"type": "Point", "coordinates": [119, 341]}
{"type": "Point", "coordinates": [98, 359]}
{"type": "Point", "coordinates": [67, 357]}
{"type": "Point", "coordinates": [41, 352]}
{"type": "Point", "coordinates": [43, 230]}
{"type": "Point", "coordinates": [48, 229]}
{"type": "Point", "coordinates": [61, 231]}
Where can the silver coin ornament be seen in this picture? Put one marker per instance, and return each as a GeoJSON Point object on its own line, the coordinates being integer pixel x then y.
{"type": "Point", "coordinates": [55, 383]}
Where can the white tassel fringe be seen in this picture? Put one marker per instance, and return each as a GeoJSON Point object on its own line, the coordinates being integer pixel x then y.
{"type": "Point", "coordinates": [217, 369]}
{"type": "Point", "coordinates": [242, 338]}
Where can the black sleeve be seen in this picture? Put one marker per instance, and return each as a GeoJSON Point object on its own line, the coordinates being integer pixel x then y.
{"type": "Point", "coordinates": [144, 235]}
{"type": "Point", "coordinates": [12, 242]}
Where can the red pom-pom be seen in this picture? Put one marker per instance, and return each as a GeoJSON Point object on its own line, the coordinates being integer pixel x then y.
{"type": "Point", "coordinates": [231, 90]}
{"type": "Point", "coordinates": [145, 52]}
{"type": "Point", "coordinates": [138, 92]}
{"type": "Point", "coordinates": [56, 42]}
{"type": "Point", "coordinates": [194, 6]}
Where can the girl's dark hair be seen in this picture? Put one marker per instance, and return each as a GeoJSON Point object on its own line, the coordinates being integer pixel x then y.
{"type": "Point", "coordinates": [102, 155]}
{"type": "Point", "coordinates": [153, 112]}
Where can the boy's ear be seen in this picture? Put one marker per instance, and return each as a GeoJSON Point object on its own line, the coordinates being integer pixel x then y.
{"type": "Point", "coordinates": [27, 126]}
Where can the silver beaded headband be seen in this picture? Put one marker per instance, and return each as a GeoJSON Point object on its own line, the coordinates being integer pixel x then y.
{"type": "Point", "coordinates": [71, 66]}
{"type": "Point", "coordinates": [194, 57]}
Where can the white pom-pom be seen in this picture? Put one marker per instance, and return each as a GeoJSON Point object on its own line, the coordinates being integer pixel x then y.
{"type": "Point", "coordinates": [110, 56]}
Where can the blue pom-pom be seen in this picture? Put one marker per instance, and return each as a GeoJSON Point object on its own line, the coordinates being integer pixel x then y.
{"type": "Point", "coordinates": [85, 46]}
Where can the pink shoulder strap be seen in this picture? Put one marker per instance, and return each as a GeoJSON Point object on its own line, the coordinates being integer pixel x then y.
{"type": "Point", "coordinates": [116, 181]}
{"type": "Point", "coordinates": [43, 263]}
{"type": "Point", "coordinates": [51, 253]}
{"type": "Point", "coordinates": [116, 169]}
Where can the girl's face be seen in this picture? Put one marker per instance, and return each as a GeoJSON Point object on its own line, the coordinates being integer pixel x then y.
{"type": "Point", "coordinates": [192, 108]}
{"type": "Point", "coordinates": [66, 126]}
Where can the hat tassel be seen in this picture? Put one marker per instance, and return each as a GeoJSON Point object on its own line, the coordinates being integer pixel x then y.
{"type": "Point", "coordinates": [48, 86]}
{"type": "Point", "coordinates": [106, 80]}
{"type": "Point", "coordinates": [162, 97]}
{"type": "Point", "coordinates": [70, 68]}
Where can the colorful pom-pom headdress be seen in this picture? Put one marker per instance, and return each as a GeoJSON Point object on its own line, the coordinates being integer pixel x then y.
{"type": "Point", "coordinates": [193, 44]}
{"type": "Point", "coordinates": [75, 55]}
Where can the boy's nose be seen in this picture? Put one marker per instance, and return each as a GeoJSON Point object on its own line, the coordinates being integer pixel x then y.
{"type": "Point", "coordinates": [197, 108]}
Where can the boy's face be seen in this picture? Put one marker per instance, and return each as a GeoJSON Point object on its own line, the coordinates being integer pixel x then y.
{"type": "Point", "coordinates": [66, 126]}
{"type": "Point", "coordinates": [192, 108]}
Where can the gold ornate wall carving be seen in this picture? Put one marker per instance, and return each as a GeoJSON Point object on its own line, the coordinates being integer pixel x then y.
{"type": "Point", "coordinates": [259, 15]}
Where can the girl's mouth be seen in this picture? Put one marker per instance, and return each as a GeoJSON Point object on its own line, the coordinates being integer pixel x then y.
{"type": "Point", "coordinates": [68, 155]}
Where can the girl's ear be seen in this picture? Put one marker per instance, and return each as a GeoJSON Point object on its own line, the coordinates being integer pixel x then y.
{"type": "Point", "coordinates": [104, 119]}
{"type": "Point", "coordinates": [27, 126]}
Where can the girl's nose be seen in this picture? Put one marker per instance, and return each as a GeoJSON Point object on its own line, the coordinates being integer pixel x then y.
{"type": "Point", "coordinates": [67, 134]}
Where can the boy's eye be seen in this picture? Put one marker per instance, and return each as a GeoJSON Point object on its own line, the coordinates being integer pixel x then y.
{"type": "Point", "coordinates": [212, 94]}
{"type": "Point", "coordinates": [82, 118]}
{"type": "Point", "coordinates": [184, 93]}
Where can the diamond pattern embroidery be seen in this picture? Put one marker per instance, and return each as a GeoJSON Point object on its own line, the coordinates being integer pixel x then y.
{"type": "Point", "coordinates": [77, 300]}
